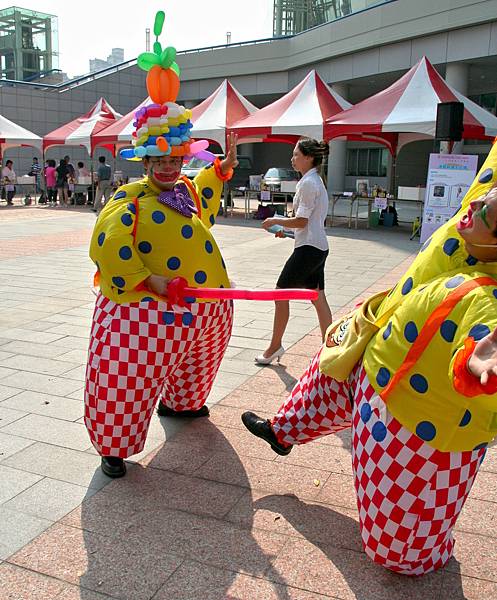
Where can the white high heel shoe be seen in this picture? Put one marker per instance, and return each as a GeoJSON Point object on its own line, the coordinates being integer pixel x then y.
{"type": "Point", "coordinates": [263, 360]}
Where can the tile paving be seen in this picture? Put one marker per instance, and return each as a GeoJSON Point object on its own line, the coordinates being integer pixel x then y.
{"type": "Point", "coordinates": [204, 512]}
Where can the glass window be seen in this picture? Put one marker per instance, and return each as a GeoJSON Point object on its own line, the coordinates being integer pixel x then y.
{"type": "Point", "coordinates": [488, 102]}
{"type": "Point", "coordinates": [352, 162]}
{"type": "Point", "coordinates": [362, 161]}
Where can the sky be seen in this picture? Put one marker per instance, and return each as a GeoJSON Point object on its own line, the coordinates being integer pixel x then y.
{"type": "Point", "coordinates": [87, 30]}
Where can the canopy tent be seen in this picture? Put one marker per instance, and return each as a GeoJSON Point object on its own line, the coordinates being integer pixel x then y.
{"type": "Point", "coordinates": [302, 111]}
{"type": "Point", "coordinates": [120, 133]}
{"type": "Point", "coordinates": [12, 135]}
{"type": "Point", "coordinates": [407, 111]}
{"type": "Point", "coordinates": [217, 114]}
{"type": "Point", "coordinates": [81, 131]}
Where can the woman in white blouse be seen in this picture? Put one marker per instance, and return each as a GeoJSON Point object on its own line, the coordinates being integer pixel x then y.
{"type": "Point", "coordinates": [305, 267]}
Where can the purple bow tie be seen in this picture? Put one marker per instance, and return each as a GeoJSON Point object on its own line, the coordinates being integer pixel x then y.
{"type": "Point", "coordinates": [179, 200]}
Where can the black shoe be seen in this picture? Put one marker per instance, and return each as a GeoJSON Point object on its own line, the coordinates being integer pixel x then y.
{"type": "Point", "coordinates": [113, 466]}
{"type": "Point", "coordinates": [165, 411]}
{"type": "Point", "coordinates": [261, 428]}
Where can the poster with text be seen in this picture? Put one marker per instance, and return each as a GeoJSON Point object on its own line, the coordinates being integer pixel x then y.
{"type": "Point", "coordinates": [449, 178]}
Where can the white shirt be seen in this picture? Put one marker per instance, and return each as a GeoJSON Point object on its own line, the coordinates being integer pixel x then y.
{"type": "Point", "coordinates": [311, 201]}
{"type": "Point", "coordinates": [11, 176]}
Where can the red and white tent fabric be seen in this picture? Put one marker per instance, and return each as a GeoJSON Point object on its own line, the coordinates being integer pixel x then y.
{"type": "Point", "coordinates": [302, 111]}
{"type": "Point", "coordinates": [217, 114]}
{"type": "Point", "coordinates": [408, 108]}
{"type": "Point", "coordinates": [120, 133]}
{"type": "Point", "coordinates": [80, 131]}
{"type": "Point", "coordinates": [12, 135]}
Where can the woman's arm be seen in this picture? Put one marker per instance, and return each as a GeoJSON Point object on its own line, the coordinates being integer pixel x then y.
{"type": "Point", "coordinates": [292, 223]}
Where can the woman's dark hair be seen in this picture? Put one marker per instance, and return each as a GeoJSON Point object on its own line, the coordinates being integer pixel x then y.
{"type": "Point", "coordinates": [62, 162]}
{"type": "Point", "coordinates": [81, 165]}
{"type": "Point", "coordinates": [311, 147]}
{"type": "Point", "coordinates": [51, 162]}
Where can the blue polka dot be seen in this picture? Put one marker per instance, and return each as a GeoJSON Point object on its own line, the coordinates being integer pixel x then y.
{"type": "Point", "coordinates": [478, 331]}
{"type": "Point", "coordinates": [125, 253]}
{"type": "Point", "coordinates": [212, 220]}
{"type": "Point", "coordinates": [471, 260]}
{"type": "Point", "coordinates": [132, 208]}
{"type": "Point", "coordinates": [118, 282]}
{"type": "Point", "coordinates": [410, 332]}
{"type": "Point", "coordinates": [207, 193]}
{"type": "Point", "coordinates": [454, 282]}
{"type": "Point", "coordinates": [366, 412]}
{"type": "Point", "coordinates": [494, 292]}
{"type": "Point", "coordinates": [204, 203]}
{"type": "Point", "coordinates": [426, 431]}
{"type": "Point", "coordinates": [388, 331]}
{"type": "Point", "coordinates": [141, 194]}
{"type": "Point", "coordinates": [426, 244]}
{"type": "Point", "coordinates": [407, 287]}
{"type": "Point", "coordinates": [208, 247]}
{"type": "Point", "coordinates": [145, 247]}
{"type": "Point", "coordinates": [480, 446]}
{"type": "Point", "coordinates": [120, 195]}
{"type": "Point", "coordinates": [187, 231]}
{"type": "Point", "coordinates": [450, 246]}
{"type": "Point", "coordinates": [158, 217]}
{"type": "Point", "coordinates": [173, 263]}
{"type": "Point", "coordinates": [189, 299]}
{"type": "Point", "coordinates": [486, 176]}
{"type": "Point", "coordinates": [127, 219]}
{"type": "Point", "coordinates": [383, 377]}
{"type": "Point", "coordinates": [101, 239]}
{"type": "Point", "coordinates": [448, 330]}
{"type": "Point", "coordinates": [168, 318]}
{"type": "Point", "coordinates": [466, 419]}
{"type": "Point", "coordinates": [147, 299]}
{"type": "Point", "coordinates": [187, 318]}
{"type": "Point", "coordinates": [379, 431]}
{"type": "Point", "coordinates": [419, 383]}
{"type": "Point", "coordinates": [200, 277]}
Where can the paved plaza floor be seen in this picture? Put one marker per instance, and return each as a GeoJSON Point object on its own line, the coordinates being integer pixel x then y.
{"type": "Point", "coordinates": [206, 512]}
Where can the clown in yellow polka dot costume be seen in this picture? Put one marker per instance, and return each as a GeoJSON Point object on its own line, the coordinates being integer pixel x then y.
{"type": "Point", "coordinates": [421, 402]}
{"type": "Point", "coordinates": [144, 348]}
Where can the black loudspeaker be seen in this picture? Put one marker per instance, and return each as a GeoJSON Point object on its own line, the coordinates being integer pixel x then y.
{"type": "Point", "coordinates": [449, 121]}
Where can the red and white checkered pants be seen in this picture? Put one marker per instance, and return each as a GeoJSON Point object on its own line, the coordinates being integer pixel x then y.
{"type": "Point", "coordinates": [140, 352]}
{"type": "Point", "coordinates": [409, 494]}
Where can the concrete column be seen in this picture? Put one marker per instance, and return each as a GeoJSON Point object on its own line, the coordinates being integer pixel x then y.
{"type": "Point", "coordinates": [456, 75]}
{"type": "Point", "coordinates": [338, 153]}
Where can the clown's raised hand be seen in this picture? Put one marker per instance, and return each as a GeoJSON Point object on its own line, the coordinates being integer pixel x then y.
{"type": "Point", "coordinates": [230, 162]}
{"type": "Point", "coordinates": [483, 362]}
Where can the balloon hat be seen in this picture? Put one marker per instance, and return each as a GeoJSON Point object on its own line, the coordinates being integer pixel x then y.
{"type": "Point", "coordinates": [163, 128]}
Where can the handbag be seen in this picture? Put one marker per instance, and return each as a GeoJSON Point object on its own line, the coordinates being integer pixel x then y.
{"type": "Point", "coordinates": [346, 339]}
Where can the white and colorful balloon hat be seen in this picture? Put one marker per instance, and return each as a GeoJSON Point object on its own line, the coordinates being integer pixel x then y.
{"type": "Point", "coordinates": [163, 128]}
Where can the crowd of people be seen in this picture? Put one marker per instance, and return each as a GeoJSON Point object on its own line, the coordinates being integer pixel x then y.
{"type": "Point", "coordinates": [61, 183]}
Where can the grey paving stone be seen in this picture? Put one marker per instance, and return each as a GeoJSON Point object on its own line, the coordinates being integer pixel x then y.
{"type": "Point", "coordinates": [17, 529]}
{"type": "Point", "coordinates": [45, 404]}
{"type": "Point", "coordinates": [73, 330]}
{"type": "Point", "coordinates": [77, 373]}
{"type": "Point", "coordinates": [4, 372]}
{"type": "Point", "coordinates": [50, 430]}
{"type": "Point", "coordinates": [72, 466]}
{"type": "Point", "coordinates": [38, 382]}
{"type": "Point", "coordinates": [37, 364]}
{"type": "Point", "coordinates": [11, 444]}
{"type": "Point", "coordinates": [42, 350]}
{"type": "Point", "coordinates": [75, 356]}
{"type": "Point", "coordinates": [49, 498]}
{"type": "Point", "coordinates": [71, 342]}
{"type": "Point", "coordinates": [5, 355]}
{"type": "Point", "coordinates": [14, 482]}
{"type": "Point", "coordinates": [8, 415]}
{"type": "Point", "coordinates": [37, 337]}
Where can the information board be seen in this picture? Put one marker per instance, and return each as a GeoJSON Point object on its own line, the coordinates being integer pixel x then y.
{"type": "Point", "coordinates": [449, 178]}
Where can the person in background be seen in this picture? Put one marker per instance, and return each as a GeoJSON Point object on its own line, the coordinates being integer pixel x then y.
{"type": "Point", "coordinates": [9, 180]}
{"type": "Point", "coordinates": [82, 170]}
{"type": "Point", "coordinates": [104, 184]}
{"type": "Point", "coordinates": [51, 182]}
{"type": "Point", "coordinates": [305, 267]}
{"type": "Point", "coordinates": [62, 174]}
{"type": "Point", "coordinates": [35, 172]}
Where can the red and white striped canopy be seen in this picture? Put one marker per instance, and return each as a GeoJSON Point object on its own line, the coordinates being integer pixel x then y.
{"type": "Point", "coordinates": [119, 133]}
{"type": "Point", "coordinates": [80, 131]}
{"type": "Point", "coordinates": [12, 134]}
{"type": "Point", "coordinates": [302, 111]}
{"type": "Point", "coordinates": [410, 106]}
{"type": "Point", "coordinates": [213, 117]}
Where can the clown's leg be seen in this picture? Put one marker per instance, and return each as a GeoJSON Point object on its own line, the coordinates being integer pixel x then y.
{"type": "Point", "coordinates": [318, 405]}
{"type": "Point", "coordinates": [189, 384]}
{"type": "Point", "coordinates": [408, 494]}
{"type": "Point", "coordinates": [132, 349]}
